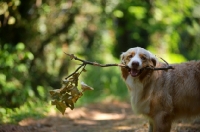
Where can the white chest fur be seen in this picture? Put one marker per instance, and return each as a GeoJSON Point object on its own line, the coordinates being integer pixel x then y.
{"type": "Point", "coordinates": [136, 88]}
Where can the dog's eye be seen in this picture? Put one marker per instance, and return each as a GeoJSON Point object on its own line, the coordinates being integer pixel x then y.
{"type": "Point", "coordinates": [130, 56]}
{"type": "Point", "coordinates": [143, 58]}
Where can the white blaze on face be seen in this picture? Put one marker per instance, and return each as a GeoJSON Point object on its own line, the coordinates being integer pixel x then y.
{"type": "Point", "coordinates": [135, 58]}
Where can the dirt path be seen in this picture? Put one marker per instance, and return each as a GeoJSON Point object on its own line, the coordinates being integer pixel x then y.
{"type": "Point", "coordinates": [111, 116]}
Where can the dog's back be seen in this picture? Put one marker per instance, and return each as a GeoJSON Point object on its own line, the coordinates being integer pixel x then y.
{"type": "Point", "coordinates": [183, 85]}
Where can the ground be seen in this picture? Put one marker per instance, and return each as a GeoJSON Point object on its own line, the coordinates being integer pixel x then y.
{"type": "Point", "coordinates": [111, 116]}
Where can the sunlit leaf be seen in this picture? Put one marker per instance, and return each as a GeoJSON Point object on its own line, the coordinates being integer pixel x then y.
{"type": "Point", "coordinates": [85, 87]}
{"type": "Point", "coordinates": [60, 106]}
{"type": "Point", "coordinates": [118, 13]}
{"type": "Point", "coordinates": [20, 46]}
{"type": "Point", "coordinates": [3, 7]}
{"type": "Point", "coordinates": [55, 94]}
{"type": "Point", "coordinates": [66, 81]}
{"type": "Point", "coordinates": [29, 55]}
{"type": "Point", "coordinates": [70, 104]}
{"type": "Point", "coordinates": [75, 91]}
{"type": "Point", "coordinates": [66, 96]}
{"type": "Point", "coordinates": [11, 20]}
{"type": "Point", "coordinates": [55, 91]}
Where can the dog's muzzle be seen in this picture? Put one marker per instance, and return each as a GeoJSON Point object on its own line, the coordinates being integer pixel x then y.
{"type": "Point", "coordinates": [134, 71]}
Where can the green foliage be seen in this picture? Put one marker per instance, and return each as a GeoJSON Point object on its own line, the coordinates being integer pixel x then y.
{"type": "Point", "coordinates": [31, 109]}
{"type": "Point", "coordinates": [132, 21]}
{"type": "Point", "coordinates": [176, 32]}
{"type": "Point", "coordinates": [14, 64]}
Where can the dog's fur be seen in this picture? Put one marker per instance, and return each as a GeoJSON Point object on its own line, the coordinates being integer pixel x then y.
{"type": "Point", "coordinates": [162, 96]}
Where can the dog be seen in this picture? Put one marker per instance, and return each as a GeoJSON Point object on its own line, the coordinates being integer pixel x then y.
{"type": "Point", "coordinates": [161, 95]}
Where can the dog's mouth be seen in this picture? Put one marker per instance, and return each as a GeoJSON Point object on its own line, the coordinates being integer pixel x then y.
{"type": "Point", "coordinates": [134, 72]}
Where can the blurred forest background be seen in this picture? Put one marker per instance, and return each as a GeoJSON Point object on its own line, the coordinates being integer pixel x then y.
{"type": "Point", "coordinates": [34, 34]}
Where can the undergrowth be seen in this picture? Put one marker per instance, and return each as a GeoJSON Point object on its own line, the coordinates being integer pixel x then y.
{"type": "Point", "coordinates": [31, 109]}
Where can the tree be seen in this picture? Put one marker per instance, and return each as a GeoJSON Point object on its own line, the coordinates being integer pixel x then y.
{"type": "Point", "coordinates": [132, 22]}
{"type": "Point", "coordinates": [34, 35]}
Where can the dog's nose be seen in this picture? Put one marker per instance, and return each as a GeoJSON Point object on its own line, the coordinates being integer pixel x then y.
{"type": "Point", "coordinates": [135, 64]}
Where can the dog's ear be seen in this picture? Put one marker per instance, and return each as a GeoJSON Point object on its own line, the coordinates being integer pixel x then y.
{"type": "Point", "coordinates": [124, 71]}
{"type": "Point", "coordinates": [122, 58]}
{"type": "Point", "coordinates": [153, 59]}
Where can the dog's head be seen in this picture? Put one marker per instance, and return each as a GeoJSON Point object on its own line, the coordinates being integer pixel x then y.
{"type": "Point", "coordinates": [137, 59]}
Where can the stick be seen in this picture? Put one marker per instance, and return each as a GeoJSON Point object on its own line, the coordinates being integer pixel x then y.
{"type": "Point", "coordinates": [85, 62]}
{"type": "Point", "coordinates": [72, 56]}
{"type": "Point", "coordinates": [161, 68]}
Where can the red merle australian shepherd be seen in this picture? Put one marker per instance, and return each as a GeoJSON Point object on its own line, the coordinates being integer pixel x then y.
{"type": "Point", "coordinates": [161, 96]}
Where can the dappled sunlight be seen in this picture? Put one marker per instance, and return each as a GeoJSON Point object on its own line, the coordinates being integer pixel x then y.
{"type": "Point", "coordinates": [93, 114]}
{"type": "Point", "coordinates": [123, 128]}
{"type": "Point", "coordinates": [99, 111]}
{"type": "Point", "coordinates": [85, 122]}
{"type": "Point", "coordinates": [108, 116]}
{"type": "Point", "coordinates": [26, 122]}
{"type": "Point", "coordinates": [76, 113]}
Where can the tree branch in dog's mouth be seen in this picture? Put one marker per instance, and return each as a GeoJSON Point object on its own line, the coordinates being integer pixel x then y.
{"type": "Point", "coordinates": [68, 94]}
{"type": "Point", "coordinates": [85, 62]}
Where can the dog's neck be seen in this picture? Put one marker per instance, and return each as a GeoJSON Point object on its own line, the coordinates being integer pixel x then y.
{"type": "Point", "coordinates": [145, 75]}
{"type": "Point", "coordinates": [139, 100]}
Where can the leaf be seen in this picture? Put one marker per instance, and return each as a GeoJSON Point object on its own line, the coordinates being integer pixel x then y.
{"type": "Point", "coordinates": [53, 102]}
{"type": "Point", "coordinates": [75, 78]}
{"type": "Point", "coordinates": [65, 81]}
{"type": "Point", "coordinates": [55, 91]}
{"type": "Point", "coordinates": [70, 104]}
{"type": "Point", "coordinates": [65, 96]}
{"type": "Point", "coordinates": [85, 87]}
{"type": "Point", "coordinates": [75, 98]}
{"type": "Point", "coordinates": [66, 89]}
{"type": "Point", "coordinates": [75, 91]}
{"type": "Point", "coordinates": [55, 94]}
{"type": "Point", "coordinates": [84, 70]}
{"type": "Point", "coordinates": [60, 106]}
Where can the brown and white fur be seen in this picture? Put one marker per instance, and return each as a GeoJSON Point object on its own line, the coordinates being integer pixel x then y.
{"type": "Point", "coordinates": [162, 96]}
